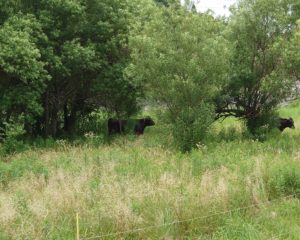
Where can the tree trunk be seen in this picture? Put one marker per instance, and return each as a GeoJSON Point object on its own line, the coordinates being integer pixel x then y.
{"type": "Point", "coordinates": [37, 127]}
{"type": "Point", "coordinates": [5, 118]}
{"type": "Point", "coordinates": [47, 116]}
{"type": "Point", "coordinates": [66, 117]}
{"type": "Point", "coordinates": [54, 122]}
{"type": "Point", "coordinates": [28, 127]}
{"type": "Point", "coordinates": [69, 120]}
{"type": "Point", "coordinates": [2, 131]}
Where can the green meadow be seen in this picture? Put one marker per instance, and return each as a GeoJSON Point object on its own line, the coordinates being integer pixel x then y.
{"type": "Point", "coordinates": [230, 187]}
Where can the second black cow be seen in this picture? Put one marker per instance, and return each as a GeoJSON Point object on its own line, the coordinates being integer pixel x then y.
{"type": "Point", "coordinates": [137, 126]}
{"type": "Point", "coordinates": [286, 123]}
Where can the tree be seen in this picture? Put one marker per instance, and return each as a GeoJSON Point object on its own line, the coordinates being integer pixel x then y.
{"type": "Point", "coordinates": [258, 30]}
{"type": "Point", "coordinates": [292, 54]}
{"type": "Point", "coordinates": [80, 51]}
{"type": "Point", "coordinates": [176, 58]}
{"type": "Point", "coordinates": [109, 24]}
{"type": "Point", "coordinates": [22, 75]}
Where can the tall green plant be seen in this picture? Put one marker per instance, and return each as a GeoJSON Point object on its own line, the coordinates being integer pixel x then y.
{"type": "Point", "coordinates": [292, 54]}
{"type": "Point", "coordinates": [23, 77]}
{"type": "Point", "coordinates": [177, 59]}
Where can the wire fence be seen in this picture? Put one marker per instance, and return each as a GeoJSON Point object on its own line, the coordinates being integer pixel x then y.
{"type": "Point", "coordinates": [147, 228]}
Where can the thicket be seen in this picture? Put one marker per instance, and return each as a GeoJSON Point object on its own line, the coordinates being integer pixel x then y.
{"type": "Point", "coordinates": [63, 61]}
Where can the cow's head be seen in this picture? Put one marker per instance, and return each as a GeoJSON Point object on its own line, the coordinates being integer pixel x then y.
{"type": "Point", "coordinates": [286, 123]}
{"type": "Point", "coordinates": [290, 123]}
{"type": "Point", "coordinates": [148, 121]}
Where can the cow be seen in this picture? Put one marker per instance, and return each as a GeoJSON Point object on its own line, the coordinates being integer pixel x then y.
{"type": "Point", "coordinates": [141, 124]}
{"type": "Point", "coordinates": [119, 126]}
{"type": "Point", "coordinates": [284, 123]}
{"type": "Point", "coordinates": [116, 126]}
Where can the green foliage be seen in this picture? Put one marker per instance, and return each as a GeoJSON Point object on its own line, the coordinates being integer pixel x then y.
{"type": "Point", "coordinates": [61, 60]}
{"type": "Point", "coordinates": [7, 9]}
{"type": "Point", "coordinates": [118, 97]}
{"type": "Point", "coordinates": [229, 134]}
{"type": "Point", "coordinates": [12, 142]}
{"type": "Point", "coordinates": [292, 54]}
{"type": "Point", "coordinates": [18, 168]}
{"type": "Point", "coordinates": [176, 60]}
{"type": "Point", "coordinates": [259, 81]}
{"type": "Point", "coordinates": [262, 124]}
{"type": "Point", "coordinates": [166, 3]}
{"type": "Point", "coordinates": [190, 126]}
{"type": "Point", "coordinates": [22, 73]}
{"type": "Point", "coordinates": [95, 122]}
{"type": "Point", "coordinates": [283, 180]}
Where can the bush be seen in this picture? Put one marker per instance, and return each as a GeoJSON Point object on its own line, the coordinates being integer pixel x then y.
{"type": "Point", "coordinates": [229, 134]}
{"type": "Point", "coordinates": [179, 73]}
{"type": "Point", "coordinates": [95, 122]}
{"type": "Point", "coordinates": [260, 126]}
{"type": "Point", "coordinates": [93, 139]}
{"type": "Point", "coordinates": [19, 167]}
{"type": "Point", "coordinates": [284, 180]}
{"type": "Point", "coordinates": [12, 142]}
{"type": "Point", "coordinates": [191, 125]}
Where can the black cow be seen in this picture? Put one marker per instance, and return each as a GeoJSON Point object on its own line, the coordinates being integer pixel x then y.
{"type": "Point", "coordinates": [284, 123]}
{"type": "Point", "coordinates": [116, 126]}
{"type": "Point", "coordinates": [141, 124]}
{"type": "Point", "coordinates": [119, 126]}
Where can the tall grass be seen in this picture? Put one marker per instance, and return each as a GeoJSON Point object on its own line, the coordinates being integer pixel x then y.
{"type": "Point", "coordinates": [230, 187]}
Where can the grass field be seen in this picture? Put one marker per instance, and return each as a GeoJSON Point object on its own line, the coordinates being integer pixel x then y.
{"type": "Point", "coordinates": [231, 187]}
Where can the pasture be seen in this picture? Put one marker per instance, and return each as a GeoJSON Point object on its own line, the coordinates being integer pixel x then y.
{"type": "Point", "coordinates": [230, 187]}
{"type": "Point", "coordinates": [110, 120]}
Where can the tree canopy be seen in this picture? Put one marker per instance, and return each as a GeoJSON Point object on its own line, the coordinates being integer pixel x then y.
{"type": "Point", "coordinates": [62, 59]}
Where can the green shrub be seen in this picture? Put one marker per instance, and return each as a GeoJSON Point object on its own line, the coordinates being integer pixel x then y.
{"type": "Point", "coordinates": [260, 126]}
{"type": "Point", "coordinates": [19, 167]}
{"type": "Point", "coordinates": [40, 142]}
{"type": "Point", "coordinates": [191, 125]}
{"type": "Point", "coordinates": [95, 122]}
{"type": "Point", "coordinates": [229, 134]}
{"type": "Point", "coordinates": [284, 180]}
{"type": "Point", "coordinates": [93, 139]}
{"type": "Point", "coordinates": [13, 138]}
